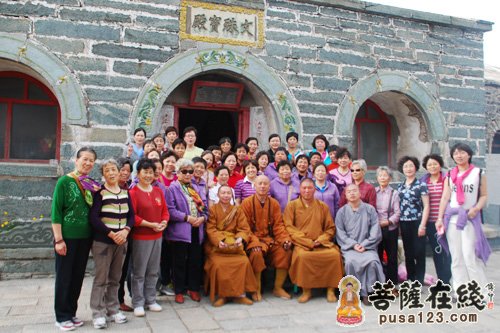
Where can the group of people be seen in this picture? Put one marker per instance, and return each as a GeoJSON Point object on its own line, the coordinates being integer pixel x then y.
{"type": "Point", "coordinates": [174, 218]}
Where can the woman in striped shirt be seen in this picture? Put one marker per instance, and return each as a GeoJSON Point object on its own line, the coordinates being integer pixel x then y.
{"type": "Point", "coordinates": [245, 187]}
{"type": "Point", "coordinates": [111, 217]}
{"type": "Point", "coordinates": [434, 179]}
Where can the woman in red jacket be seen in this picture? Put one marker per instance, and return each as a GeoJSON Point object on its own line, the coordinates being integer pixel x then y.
{"type": "Point", "coordinates": [151, 217]}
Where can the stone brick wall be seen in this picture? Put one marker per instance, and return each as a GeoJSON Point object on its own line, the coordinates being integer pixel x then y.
{"type": "Point", "coordinates": [492, 110]}
{"type": "Point", "coordinates": [319, 48]}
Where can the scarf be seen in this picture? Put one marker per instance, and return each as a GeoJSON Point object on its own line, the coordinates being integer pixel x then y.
{"type": "Point", "coordinates": [458, 181]}
{"type": "Point", "coordinates": [200, 206]}
{"type": "Point", "coordinates": [87, 186]}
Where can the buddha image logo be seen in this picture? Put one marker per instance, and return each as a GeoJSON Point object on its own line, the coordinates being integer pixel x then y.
{"type": "Point", "coordinates": [349, 311]}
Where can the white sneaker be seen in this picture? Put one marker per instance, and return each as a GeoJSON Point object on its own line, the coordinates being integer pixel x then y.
{"type": "Point", "coordinates": [139, 311]}
{"type": "Point", "coordinates": [65, 325]}
{"type": "Point", "coordinates": [99, 322]}
{"type": "Point", "coordinates": [155, 307]}
{"type": "Point", "coordinates": [119, 318]}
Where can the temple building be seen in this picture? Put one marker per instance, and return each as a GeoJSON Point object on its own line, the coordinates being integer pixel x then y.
{"type": "Point", "coordinates": [381, 80]}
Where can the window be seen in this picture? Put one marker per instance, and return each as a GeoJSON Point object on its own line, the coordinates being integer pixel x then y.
{"type": "Point", "coordinates": [29, 120]}
{"type": "Point", "coordinates": [373, 132]}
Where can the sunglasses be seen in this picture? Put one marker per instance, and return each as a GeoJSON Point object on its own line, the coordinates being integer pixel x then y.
{"type": "Point", "coordinates": [356, 170]}
{"type": "Point", "coordinates": [185, 172]}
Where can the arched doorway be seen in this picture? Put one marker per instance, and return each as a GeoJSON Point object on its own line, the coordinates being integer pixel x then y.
{"type": "Point", "coordinates": [373, 132]}
{"type": "Point", "coordinates": [271, 109]}
{"type": "Point", "coordinates": [417, 123]}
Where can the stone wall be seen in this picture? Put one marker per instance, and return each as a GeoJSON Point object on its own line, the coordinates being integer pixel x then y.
{"type": "Point", "coordinates": [319, 48]}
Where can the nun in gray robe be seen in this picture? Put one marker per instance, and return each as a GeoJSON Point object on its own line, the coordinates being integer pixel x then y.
{"type": "Point", "coordinates": [360, 226]}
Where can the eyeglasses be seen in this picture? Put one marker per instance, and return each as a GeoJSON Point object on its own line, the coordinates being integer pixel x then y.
{"type": "Point", "coordinates": [356, 170]}
{"type": "Point", "coordinates": [184, 172]}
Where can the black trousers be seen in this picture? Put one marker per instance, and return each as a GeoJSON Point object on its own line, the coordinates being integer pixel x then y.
{"type": "Point", "coordinates": [126, 274]}
{"type": "Point", "coordinates": [70, 271]}
{"type": "Point", "coordinates": [414, 247]}
{"type": "Point", "coordinates": [442, 260]}
{"type": "Point", "coordinates": [389, 243]}
{"type": "Point", "coordinates": [166, 263]}
{"type": "Point", "coordinates": [187, 263]}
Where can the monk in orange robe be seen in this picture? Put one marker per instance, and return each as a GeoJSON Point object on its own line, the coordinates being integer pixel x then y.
{"type": "Point", "coordinates": [316, 260]}
{"type": "Point", "coordinates": [269, 242]}
{"type": "Point", "coordinates": [227, 268]}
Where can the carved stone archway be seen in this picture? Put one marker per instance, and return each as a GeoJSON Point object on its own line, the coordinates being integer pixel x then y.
{"type": "Point", "coordinates": [402, 83]}
{"type": "Point", "coordinates": [51, 71]}
{"type": "Point", "coordinates": [192, 63]}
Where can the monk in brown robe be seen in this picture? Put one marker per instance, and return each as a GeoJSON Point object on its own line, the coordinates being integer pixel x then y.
{"type": "Point", "coordinates": [269, 242]}
{"type": "Point", "coordinates": [227, 268]}
{"type": "Point", "coordinates": [316, 261]}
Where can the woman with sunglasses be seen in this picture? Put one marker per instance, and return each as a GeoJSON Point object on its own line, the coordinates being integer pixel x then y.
{"type": "Point", "coordinates": [368, 193]}
{"type": "Point", "coordinates": [188, 214]}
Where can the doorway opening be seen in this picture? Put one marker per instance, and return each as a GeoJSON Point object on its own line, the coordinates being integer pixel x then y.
{"type": "Point", "coordinates": [210, 124]}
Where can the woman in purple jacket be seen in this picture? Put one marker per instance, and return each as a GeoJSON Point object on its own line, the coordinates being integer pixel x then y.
{"type": "Point", "coordinates": [188, 214]}
{"type": "Point", "coordinates": [284, 188]}
{"type": "Point", "coordinates": [326, 191]}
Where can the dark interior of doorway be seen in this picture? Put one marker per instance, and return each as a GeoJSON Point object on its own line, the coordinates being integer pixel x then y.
{"type": "Point", "coordinates": [210, 124]}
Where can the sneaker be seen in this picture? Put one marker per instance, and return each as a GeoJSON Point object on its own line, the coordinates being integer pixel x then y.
{"type": "Point", "coordinates": [119, 318]}
{"type": "Point", "coordinates": [99, 322]}
{"type": "Point", "coordinates": [139, 311]}
{"type": "Point", "coordinates": [155, 307]}
{"type": "Point", "coordinates": [167, 290]}
{"type": "Point", "coordinates": [65, 325]}
{"type": "Point", "coordinates": [77, 322]}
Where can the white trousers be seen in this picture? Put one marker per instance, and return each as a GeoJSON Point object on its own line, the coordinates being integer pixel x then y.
{"type": "Point", "coordinates": [465, 265]}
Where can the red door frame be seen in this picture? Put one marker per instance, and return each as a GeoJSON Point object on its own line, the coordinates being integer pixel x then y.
{"type": "Point", "coordinates": [243, 117]}
{"type": "Point", "coordinates": [368, 103]}
{"type": "Point", "coordinates": [25, 100]}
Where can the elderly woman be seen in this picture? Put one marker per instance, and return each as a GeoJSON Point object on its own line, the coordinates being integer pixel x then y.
{"type": "Point", "coordinates": [272, 169]}
{"type": "Point", "coordinates": [388, 217]}
{"type": "Point", "coordinates": [285, 188]}
{"type": "Point", "coordinates": [464, 196]}
{"type": "Point", "coordinates": [222, 174]}
{"type": "Point", "coordinates": [151, 217]}
{"type": "Point", "coordinates": [112, 218]}
{"type": "Point", "coordinates": [245, 187]}
{"type": "Point", "coordinates": [326, 191]}
{"type": "Point", "coordinates": [262, 160]}
{"type": "Point", "coordinates": [125, 168]}
{"type": "Point", "coordinates": [188, 211]}
{"type": "Point", "coordinates": [414, 205]}
{"type": "Point", "coordinates": [320, 145]}
{"type": "Point", "coordinates": [228, 270]}
{"type": "Point", "coordinates": [72, 236]}
{"type": "Point", "coordinates": [230, 160]}
{"type": "Point", "coordinates": [368, 194]}
{"type": "Point", "coordinates": [168, 160]}
{"type": "Point", "coordinates": [434, 179]}
{"type": "Point", "coordinates": [301, 169]}
{"type": "Point", "coordinates": [200, 169]}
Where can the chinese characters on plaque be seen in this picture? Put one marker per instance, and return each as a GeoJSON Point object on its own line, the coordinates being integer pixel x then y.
{"type": "Point", "coordinates": [221, 24]}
